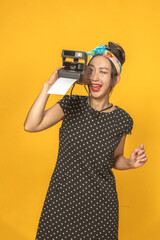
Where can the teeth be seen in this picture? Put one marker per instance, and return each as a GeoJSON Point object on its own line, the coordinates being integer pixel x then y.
{"type": "Point", "coordinates": [96, 85]}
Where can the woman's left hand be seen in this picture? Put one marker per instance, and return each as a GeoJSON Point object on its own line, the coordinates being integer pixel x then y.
{"type": "Point", "coordinates": [137, 157]}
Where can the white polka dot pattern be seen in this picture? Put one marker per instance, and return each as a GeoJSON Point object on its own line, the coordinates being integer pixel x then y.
{"type": "Point", "coordinates": [82, 201]}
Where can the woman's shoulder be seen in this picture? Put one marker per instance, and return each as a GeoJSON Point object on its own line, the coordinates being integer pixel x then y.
{"type": "Point", "coordinates": [125, 120]}
{"type": "Point", "coordinates": [124, 113]}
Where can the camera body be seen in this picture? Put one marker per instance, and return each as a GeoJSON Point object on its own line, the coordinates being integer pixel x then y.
{"type": "Point", "coordinates": [75, 65]}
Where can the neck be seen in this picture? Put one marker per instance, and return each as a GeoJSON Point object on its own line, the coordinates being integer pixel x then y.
{"type": "Point", "coordinates": [98, 103]}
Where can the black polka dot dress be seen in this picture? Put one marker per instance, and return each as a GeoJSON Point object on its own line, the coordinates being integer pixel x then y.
{"type": "Point", "coordinates": [82, 201]}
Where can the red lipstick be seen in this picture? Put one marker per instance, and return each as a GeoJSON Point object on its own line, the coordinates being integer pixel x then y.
{"type": "Point", "coordinates": [95, 87]}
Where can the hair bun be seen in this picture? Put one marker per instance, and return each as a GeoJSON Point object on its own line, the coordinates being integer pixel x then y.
{"type": "Point", "coordinates": [110, 43]}
{"type": "Point", "coordinates": [117, 50]}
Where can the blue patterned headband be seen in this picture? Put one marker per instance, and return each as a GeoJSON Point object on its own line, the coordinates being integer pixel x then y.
{"type": "Point", "coordinates": [106, 53]}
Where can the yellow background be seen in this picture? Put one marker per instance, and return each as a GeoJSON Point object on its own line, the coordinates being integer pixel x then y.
{"type": "Point", "coordinates": [33, 34]}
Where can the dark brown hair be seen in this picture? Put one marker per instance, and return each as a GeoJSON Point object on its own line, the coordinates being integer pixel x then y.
{"type": "Point", "coordinates": [119, 52]}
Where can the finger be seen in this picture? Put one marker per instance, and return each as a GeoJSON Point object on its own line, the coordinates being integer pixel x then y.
{"type": "Point", "coordinates": [57, 69]}
{"type": "Point", "coordinates": [141, 146]}
{"type": "Point", "coordinates": [143, 161]}
{"type": "Point", "coordinates": [60, 68]}
{"type": "Point", "coordinates": [142, 156]}
{"type": "Point", "coordinates": [55, 73]}
{"type": "Point", "coordinates": [141, 152]}
{"type": "Point", "coordinates": [135, 151]}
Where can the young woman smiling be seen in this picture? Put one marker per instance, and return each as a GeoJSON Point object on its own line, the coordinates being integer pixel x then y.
{"type": "Point", "coordinates": [82, 200]}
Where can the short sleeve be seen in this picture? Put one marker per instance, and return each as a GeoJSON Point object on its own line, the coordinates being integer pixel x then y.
{"type": "Point", "coordinates": [65, 103]}
{"type": "Point", "coordinates": [128, 124]}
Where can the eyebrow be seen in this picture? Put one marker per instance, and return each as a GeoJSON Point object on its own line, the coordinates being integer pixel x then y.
{"type": "Point", "coordinates": [100, 67]}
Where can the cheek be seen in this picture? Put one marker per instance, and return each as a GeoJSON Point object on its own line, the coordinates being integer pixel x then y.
{"type": "Point", "coordinates": [106, 78]}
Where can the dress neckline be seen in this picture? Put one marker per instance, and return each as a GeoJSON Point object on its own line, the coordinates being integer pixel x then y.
{"type": "Point", "coordinates": [116, 108]}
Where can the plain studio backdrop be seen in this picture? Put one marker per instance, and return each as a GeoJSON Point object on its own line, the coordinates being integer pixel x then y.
{"type": "Point", "coordinates": [33, 34]}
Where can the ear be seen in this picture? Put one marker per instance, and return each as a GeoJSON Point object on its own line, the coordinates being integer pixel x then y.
{"type": "Point", "coordinates": [117, 79]}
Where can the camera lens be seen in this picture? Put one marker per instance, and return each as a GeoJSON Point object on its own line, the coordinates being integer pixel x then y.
{"type": "Point", "coordinates": [72, 67]}
{"type": "Point", "coordinates": [80, 66]}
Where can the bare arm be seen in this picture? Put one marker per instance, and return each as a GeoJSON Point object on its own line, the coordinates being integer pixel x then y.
{"type": "Point", "coordinates": [121, 163]}
{"type": "Point", "coordinates": [137, 157]}
{"type": "Point", "coordinates": [37, 119]}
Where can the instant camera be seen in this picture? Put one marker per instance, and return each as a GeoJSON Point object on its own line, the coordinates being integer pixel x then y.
{"type": "Point", "coordinates": [75, 65]}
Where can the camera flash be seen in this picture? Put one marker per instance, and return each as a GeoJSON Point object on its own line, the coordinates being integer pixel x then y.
{"type": "Point", "coordinates": [78, 54]}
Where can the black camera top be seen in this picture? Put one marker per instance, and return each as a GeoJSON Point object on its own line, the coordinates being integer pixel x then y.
{"type": "Point", "coordinates": [75, 64]}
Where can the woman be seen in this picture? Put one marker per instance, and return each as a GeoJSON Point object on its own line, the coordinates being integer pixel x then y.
{"type": "Point", "coordinates": [81, 201]}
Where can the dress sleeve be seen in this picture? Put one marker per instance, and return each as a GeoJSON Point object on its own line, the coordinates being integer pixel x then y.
{"type": "Point", "coordinates": [65, 104]}
{"type": "Point", "coordinates": [128, 124]}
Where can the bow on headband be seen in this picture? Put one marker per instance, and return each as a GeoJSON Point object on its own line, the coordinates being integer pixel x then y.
{"type": "Point", "coordinates": [106, 53]}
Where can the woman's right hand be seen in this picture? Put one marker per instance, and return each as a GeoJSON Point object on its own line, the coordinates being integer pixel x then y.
{"type": "Point", "coordinates": [53, 77]}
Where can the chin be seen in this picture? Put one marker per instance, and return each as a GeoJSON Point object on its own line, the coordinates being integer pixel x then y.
{"type": "Point", "coordinates": [98, 94]}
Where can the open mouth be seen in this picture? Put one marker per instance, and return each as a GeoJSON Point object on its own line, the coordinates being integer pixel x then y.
{"type": "Point", "coordinates": [95, 87]}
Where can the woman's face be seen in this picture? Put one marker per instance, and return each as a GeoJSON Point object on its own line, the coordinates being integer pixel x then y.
{"type": "Point", "coordinates": [100, 76]}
